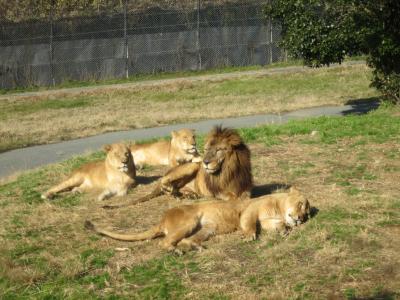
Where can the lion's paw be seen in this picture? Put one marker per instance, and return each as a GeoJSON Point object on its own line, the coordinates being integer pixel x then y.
{"type": "Point", "coordinates": [250, 237]}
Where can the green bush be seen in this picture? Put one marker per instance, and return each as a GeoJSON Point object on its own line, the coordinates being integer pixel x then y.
{"type": "Point", "coordinates": [325, 32]}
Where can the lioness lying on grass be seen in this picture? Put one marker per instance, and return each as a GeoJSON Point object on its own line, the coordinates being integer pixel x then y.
{"type": "Point", "coordinates": [187, 226]}
{"type": "Point", "coordinates": [225, 172]}
{"type": "Point", "coordinates": [180, 149]}
{"type": "Point", "coordinates": [113, 176]}
{"type": "Point", "coordinates": [280, 212]}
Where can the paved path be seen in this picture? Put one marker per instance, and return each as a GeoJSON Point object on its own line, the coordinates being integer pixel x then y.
{"type": "Point", "coordinates": [28, 158]}
{"type": "Point", "coordinates": [158, 82]}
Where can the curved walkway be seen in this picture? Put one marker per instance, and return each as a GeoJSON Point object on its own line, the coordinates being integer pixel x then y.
{"type": "Point", "coordinates": [159, 82]}
{"type": "Point", "coordinates": [18, 160]}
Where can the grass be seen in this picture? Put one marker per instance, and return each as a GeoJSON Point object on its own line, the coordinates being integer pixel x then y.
{"type": "Point", "coordinates": [347, 250]}
{"type": "Point", "coordinates": [375, 127]}
{"type": "Point", "coordinates": [54, 117]}
{"type": "Point", "coordinates": [156, 76]}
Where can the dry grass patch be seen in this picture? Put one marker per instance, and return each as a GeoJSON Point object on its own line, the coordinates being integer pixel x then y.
{"type": "Point", "coordinates": [57, 117]}
{"type": "Point", "coordinates": [348, 249]}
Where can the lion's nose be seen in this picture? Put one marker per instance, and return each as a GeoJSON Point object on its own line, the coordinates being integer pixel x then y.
{"type": "Point", "coordinates": [206, 161]}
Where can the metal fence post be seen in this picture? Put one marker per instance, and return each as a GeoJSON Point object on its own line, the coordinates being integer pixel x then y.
{"type": "Point", "coordinates": [51, 54]}
{"type": "Point", "coordinates": [126, 48]}
{"type": "Point", "coordinates": [271, 37]}
{"type": "Point", "coordinates": [198, 36]}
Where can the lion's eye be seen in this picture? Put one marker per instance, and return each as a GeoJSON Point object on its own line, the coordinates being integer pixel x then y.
{"type": "Point", "coordinates": [127, 154]}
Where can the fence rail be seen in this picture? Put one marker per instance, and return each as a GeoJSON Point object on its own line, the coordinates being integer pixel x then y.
{"type": "Point", "coordinates": [125, 43]}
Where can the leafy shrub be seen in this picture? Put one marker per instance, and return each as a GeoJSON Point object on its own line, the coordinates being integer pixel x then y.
{"type": "Point", "coordinates": [325, 32]}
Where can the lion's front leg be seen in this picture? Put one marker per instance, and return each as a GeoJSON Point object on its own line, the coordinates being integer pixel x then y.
{"type": "Point", "coordinates": [73, 182]}
{"type": "Point", "coordinates": [275, 225]}
{"type": "Point", "coordinates": [178, 177]}
{"type": "Point", "coordinates": [248, 224]}
{"type": "Point", "coordinates": [105, 195]}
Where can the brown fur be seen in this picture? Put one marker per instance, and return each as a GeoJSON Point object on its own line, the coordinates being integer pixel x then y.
{"type": "Point", "coordinates": [225, 172]}
{"type": "Point", "coordinates": [187, 226]}
{"type": "Point", "coordinates": [180, 149]}
{"type": "Point", "coordinates": [113, 176]}
{"type": "Point", "coordinates": [280, 211]}
{"type": "Point", "coordinates": [230, 178]}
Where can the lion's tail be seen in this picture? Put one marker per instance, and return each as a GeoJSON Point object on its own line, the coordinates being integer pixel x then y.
{"type": "Point", "coordinates": [155, 231]}
{"type": "Point", "coordinates": [155, 193]}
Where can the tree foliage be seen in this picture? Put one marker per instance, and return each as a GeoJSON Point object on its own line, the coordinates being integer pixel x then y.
{"type": "Point", "coordinates": [325, 32]}
{"type": "Point", "coordinates": [23, 10]}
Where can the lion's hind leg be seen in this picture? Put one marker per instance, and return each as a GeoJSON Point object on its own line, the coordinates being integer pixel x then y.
{"type": "Point", "coordinates": [177, 229]}
{"type": "Point", "coordinates": [72, 182]}
{"type": "Point", "coordinates": [195, 241]}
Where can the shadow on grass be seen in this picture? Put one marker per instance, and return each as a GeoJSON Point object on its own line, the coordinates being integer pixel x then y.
{"type": "Point", "coordinates": [382, 295]}
{"type": "Point", "coordinates": [146, 179]}
{"type": "Point", "coordinates": [266, 189]}
{"type": "Point", "coordinates": [362, 106]}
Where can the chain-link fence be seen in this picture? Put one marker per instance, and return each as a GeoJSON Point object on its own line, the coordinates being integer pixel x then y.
{"type": "Point", "coordinates": [135, 40]}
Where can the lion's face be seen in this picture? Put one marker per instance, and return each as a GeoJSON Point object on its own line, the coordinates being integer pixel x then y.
{"type": "Point", "coordinates": [297, 209]}
{"type": "Point", "coordinates": [119, 156]}
{"type": "Point", "coordinates": [185, 139]}
{"type": "Point", "coordinates": [215, 153]}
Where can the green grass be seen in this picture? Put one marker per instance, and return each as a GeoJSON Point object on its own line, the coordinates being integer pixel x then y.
{"type": "Point", "coordinates": [158, 76]}
{"type": "Point", "coordinates": [377, 127]}
{"type": "Point", "coordinates": [46, 254]}
{"type": "Point", "coordinates": [53, 118]}
{"type": "Point", "coordinates": [147, 77]}
{"type": "Point", "coordinates": [160, 278]}
{"type": "Point", "coordinates": [25, 108]}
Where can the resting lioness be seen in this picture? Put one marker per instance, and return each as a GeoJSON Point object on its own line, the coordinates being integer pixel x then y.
{"type": "Point", "coordinates": [187, 226]}
{"type": "Point", "coordinates": [225, 172]}
{"type": "Point", "coordinates": [280, 212]}
{"type": "Point", "coordinates": [180, 149]}
{"type": "Point", "coordinates": [113, 176]}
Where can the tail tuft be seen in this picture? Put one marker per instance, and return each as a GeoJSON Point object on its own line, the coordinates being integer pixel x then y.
{"type": "Point", "coordinates": [89, 225]}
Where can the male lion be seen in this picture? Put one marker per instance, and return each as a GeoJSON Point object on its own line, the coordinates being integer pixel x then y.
{"type": "Point", "coordinates": [180, 149]}
{"type": "Point", "coordinates": [280, 212]}
{"type": "Point", "coordinates": [225, 172]}
{"type": "Point", "coordinates": [113, 176]}
{"type": "Point", "coordinates": [187, 226]}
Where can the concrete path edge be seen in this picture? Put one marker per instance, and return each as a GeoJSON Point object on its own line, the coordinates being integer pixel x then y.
{"type": "Point", "coordinates": [16, 161]}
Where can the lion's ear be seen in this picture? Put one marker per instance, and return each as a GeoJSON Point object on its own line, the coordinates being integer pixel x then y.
{"type": "Point", "coordinates": [107, 148]}
{"type": "Point", "coordinates": [294, 191]}
{"type": "Point", "coordinates": [174, 134]}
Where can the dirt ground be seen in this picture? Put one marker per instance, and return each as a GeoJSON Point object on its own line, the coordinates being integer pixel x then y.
{"type": "Point", "coordinates": [349, 249]}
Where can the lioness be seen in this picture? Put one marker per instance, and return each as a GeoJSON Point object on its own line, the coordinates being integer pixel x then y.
{"type": "Point", "coordinates": [225, 172]}
{"type": "Point", "coordinates": [280, 212]}
{"type": "Point", "coordinates": [187, 226]}
{"type": "Point", "coordinates": [180, 149]}
{"type": "Point", "coordinates": [113, 176]}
